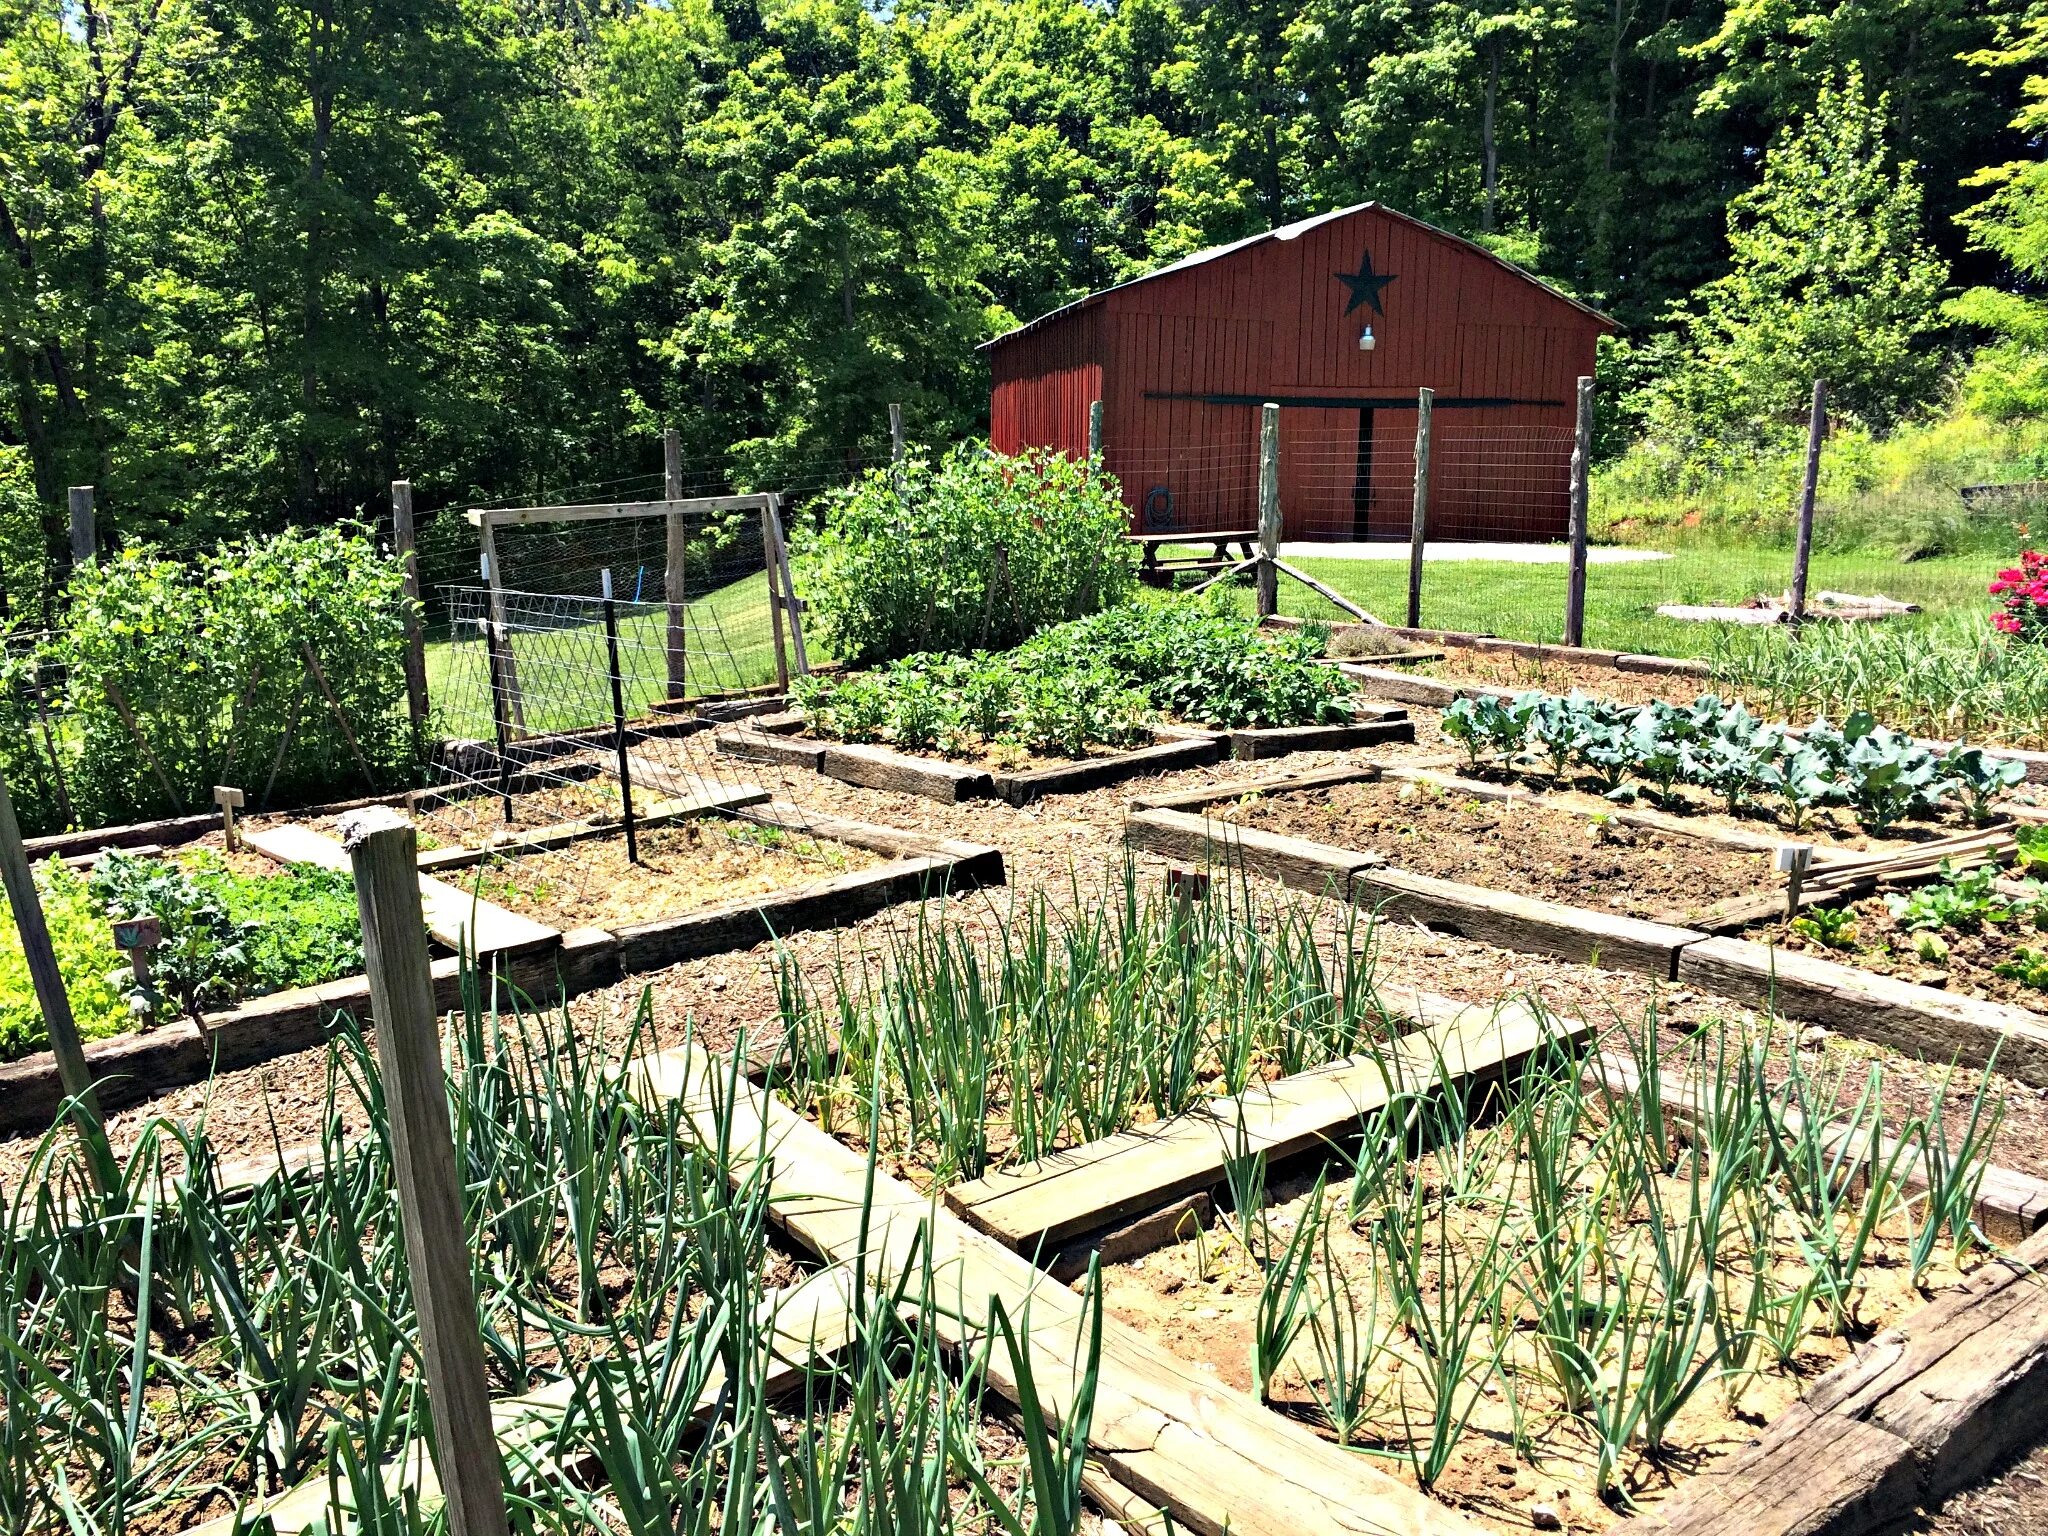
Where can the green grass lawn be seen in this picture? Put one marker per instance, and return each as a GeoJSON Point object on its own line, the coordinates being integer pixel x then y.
{"type": "Point", "coordinates": [564, 674]}
{"type": "Point", "coordinates": [1526, 602]}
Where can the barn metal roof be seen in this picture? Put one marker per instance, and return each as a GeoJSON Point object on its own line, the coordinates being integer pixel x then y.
{"type": "Point", "coordinates": [1290, 232]}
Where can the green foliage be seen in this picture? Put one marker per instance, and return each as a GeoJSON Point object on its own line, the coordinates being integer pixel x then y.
{"type": "Point", "coordinates": [973, 551]}
{"type": "Point", "coordinates": [23, 577]}
{"type": "Point", "coordinates": [1964, 900]}
{"type": "Point", "coordinates": [95, 974]}
{"type": "Point", "coordinates": [207, 657]}
{"type": "Point", "coordinates": [1098, 681]}
{"type": "Point", "coordinates": [1947, 679]}
{"type": "Point", "coordinates": [1829, 278]}
{"type": "Point", "coordinates": [1202, 663]}
{"type": "Point", "coordinates": [227, 936]}
{"type": "Point", "coordinates": [2027, 966]}
{"type": "Point", "coordinates": [1884, 775]}
{"type": "Point", "coordinates": [1829, 927]}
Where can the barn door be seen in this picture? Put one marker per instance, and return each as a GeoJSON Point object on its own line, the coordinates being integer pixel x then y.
{"type": "Point", "coordinates": [1319, 472]}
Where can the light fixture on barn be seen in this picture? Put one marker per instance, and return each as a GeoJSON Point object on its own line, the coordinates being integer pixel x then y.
{"type": "Point", "coordinates": [1366, 342]}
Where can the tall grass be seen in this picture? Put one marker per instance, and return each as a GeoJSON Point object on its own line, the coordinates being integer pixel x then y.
{"type": "Point", "coordinates": [970, 1051]}
{"type": "Point", "coordinates": [173, 1348]}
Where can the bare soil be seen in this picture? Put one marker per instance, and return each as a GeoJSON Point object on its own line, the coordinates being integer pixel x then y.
{"type": "Point", "coordinates": [1522, 1447]}
{"type": "Point", "coordinates": [683, 866]}
{"type": "Point", "coordinates": [1518, 845]}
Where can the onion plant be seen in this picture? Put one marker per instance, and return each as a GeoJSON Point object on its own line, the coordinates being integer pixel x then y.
{"type": "Point", "coordinates": [1069, 1023]}
{"type": "Point", "coordinates": [172, 1346]}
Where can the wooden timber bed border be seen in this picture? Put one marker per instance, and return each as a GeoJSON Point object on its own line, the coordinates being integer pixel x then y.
{"type": "Point", "coordinates": [1925, 1409]}
{"type": "Point", "coordinates": [544, 964]}
{"type": "Point", "coordinates": [774, 739]}
{"type": "Point", "coordinates": [1928, 1407]}
{"type": "Point", "coordinates": [1919, 1021]}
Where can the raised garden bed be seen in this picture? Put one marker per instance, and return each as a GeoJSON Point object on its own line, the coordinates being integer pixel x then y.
{"type": "Point", "coordinates": [1021, 778]}
{"type": "Point", "coordinates": [1516, 843]}
{"type": "Point", "coordinates": [1920, 1020]}
{"type": "Point", "coordinates": [1216, 1241]}
{"type": "Point", "coordinates": [805, 873]}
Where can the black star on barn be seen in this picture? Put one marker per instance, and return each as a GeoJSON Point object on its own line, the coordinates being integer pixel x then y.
{"type": "Point", "coordinates": [1365, 285]}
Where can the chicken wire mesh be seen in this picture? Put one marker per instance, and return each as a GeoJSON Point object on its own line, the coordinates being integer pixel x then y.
{"type": "Point", "coordinates": [566, 757]}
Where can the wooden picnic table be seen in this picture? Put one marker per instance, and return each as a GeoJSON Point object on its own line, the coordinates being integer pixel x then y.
{"type": "Point", "coordinates": [1155, 569]}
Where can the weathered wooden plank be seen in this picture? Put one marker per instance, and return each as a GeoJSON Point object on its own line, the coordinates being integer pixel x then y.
{"type": "Point", "coordinates": [1162, 1428]}
{"type": "Point", "coordinates": [500, 517]}
{"type": "Point", "coordinates": [1270, 784]}
{"type": "Point", "coordinates": [1510, 921]}
{"type": "Point", "coordinates": [766, 747]}
{"type": "Point", "coordinates": [1094, 772]}
{"type": "Point", "coordinates": [1964, 1380]}
{"type": "Point", "coordinates": [880, 768]}
{"type": "Point", "coordinates": [747, 921]}
{"type": "Point", "coordinates": [454, 916]}
{"type": "Point", "coordinates": [1278, 741]}
{"type": "Point", "coordinates": [1920, 1021]}
{"type": "Point", "coordinates": [1295, 861]}
{"type": "Point", "coordinates": [807, 1323]}
{"type": "Point", "coordinates": [2011, 1205]}
{"type": "Point", "coordinates": [1046, 1202]}
{"type": "Point", "coordinates": [1811, 1475]}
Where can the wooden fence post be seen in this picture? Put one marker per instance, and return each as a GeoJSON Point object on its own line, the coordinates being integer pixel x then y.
{"type": "Point", "coordinates": [404, 546]}
{"type": "Point", "coordinates": [384, 852]}
{"type": "Point", "coordinates": [487, 532]}
{"type": "Point", "coordinates": [1418, 523]}
{"type": "Point", "coordinates": [1802, 554]}
{"type": "Point", "coordinates": [48, 981]}
{"type": "Point", "coordinates": [1269, 510]}
{"type": "Point", "coordinates": [673, 574]}
{"type": "Point", "coordinates": [895, 432]}
{"type": "Point", "coordinates": [85, 533]}
{"type": "Point", "coordinates": [1582, 456]}
{"type": "Point", "coordinates": [1095, 430]}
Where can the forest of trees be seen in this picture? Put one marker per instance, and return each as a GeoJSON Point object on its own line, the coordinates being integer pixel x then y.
{"type": "Point", "coordinates": [259, 257]}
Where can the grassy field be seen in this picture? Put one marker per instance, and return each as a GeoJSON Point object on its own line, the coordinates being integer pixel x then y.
{"type": "Point", "coordinates": [1526, 602]}
{"type": "Point", "coordinates": [563, 672]}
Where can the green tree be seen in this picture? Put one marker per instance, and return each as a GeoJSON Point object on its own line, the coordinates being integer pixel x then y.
{"type": "Point", "coordinates": [1828, 277]}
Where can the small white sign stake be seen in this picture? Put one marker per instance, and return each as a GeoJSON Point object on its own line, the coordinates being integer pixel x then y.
{"type": "Point", "coordinates": [1793, 859]}
{"type": "Point", "coordinates": [229, 799]}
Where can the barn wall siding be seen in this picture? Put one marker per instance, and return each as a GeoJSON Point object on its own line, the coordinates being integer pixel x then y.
{"type": "Point", "coordinates": [1268, 321]}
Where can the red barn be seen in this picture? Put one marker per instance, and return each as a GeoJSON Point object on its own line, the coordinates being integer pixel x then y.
{"type": "Point", "coordinates": [1340, 319]}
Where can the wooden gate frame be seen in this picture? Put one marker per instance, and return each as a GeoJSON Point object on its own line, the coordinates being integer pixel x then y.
{"type": "Point", "coordinates": [782, 603]}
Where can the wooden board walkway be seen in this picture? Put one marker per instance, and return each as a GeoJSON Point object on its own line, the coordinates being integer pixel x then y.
{"type": "Point", "coordinates": [454, 916]}
{"type": "Point", "coordinates": [1042, 1204]}
{"type": "Point", "coordinates": [1164, 1432]}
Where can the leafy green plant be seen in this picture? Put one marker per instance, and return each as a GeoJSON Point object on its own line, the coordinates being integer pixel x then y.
{"type": "Point", "coordinates": [1829, 927]}
{"type": "Point", "coordinates": [2027, 966]}
{"type": "Point", "coordinates": [1964, 900]}
{"type": "Point", "coordinates": [95, 975]}
{"type": "Point", "coordinates": [974, 550]}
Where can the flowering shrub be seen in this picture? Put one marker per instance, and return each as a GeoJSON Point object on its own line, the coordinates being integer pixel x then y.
{"type": "Point", "coordinates": [2023, 590]}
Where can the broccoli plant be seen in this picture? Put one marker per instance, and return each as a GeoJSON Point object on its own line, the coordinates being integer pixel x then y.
{"type": "Point", "coordinates": [1981, 778]}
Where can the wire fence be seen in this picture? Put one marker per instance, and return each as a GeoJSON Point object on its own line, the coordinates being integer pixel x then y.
{"type": "Point", "coordinates": [566, 753]}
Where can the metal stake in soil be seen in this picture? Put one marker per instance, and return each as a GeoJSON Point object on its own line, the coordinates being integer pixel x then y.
{"type": "Point", "coordinates": [493, 639]}
{"type": "Point", "coordinates": [611, 645]}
